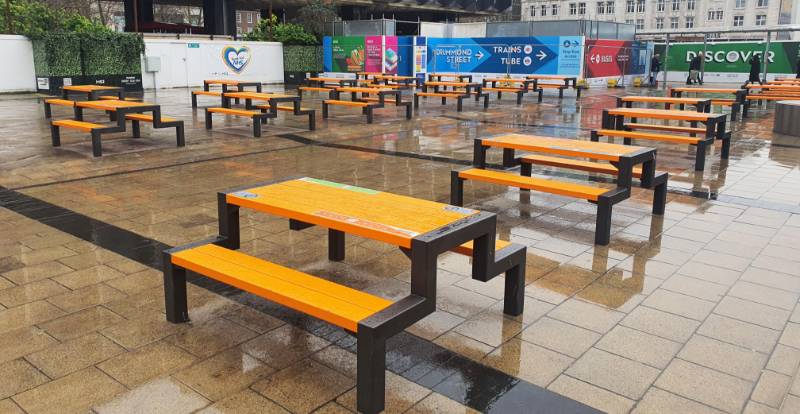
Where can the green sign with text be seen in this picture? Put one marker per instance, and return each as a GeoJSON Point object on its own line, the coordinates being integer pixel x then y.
{"type": "Point", "coordinates": [735, 57]}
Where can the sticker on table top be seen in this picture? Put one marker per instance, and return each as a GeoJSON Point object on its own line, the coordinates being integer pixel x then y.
{"type": "Point", "coordinates": [245, 194]}
{"type": "Point", "coordinates": [460, 210]}
{"type": "Point", "coordinates": [339, 185]}
{"type": "Point", "coordinates": [365, 223]}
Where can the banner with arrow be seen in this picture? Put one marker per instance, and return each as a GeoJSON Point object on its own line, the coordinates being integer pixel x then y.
{"type": "Point", "coordinates": [546, 55]}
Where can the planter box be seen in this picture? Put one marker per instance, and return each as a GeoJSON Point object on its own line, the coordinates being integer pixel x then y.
{"type": "Point", "coordinates": [51, 85]}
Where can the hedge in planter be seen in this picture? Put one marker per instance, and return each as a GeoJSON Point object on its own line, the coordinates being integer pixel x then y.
{"type": "Point", "coordinates": [302, 58]}
{"type": "Point", "coordinates": [87, 58]}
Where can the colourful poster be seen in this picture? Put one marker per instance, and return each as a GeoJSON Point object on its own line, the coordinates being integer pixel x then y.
{"type": "Point", "coordinates": [606, 58]}
{"type": "Point", "coordinates": [391, 55]}
{"type": "Point", "coordinates": [373, 56]}
{"type": "Point", "coordinates": [347, 54]}
{"type": "Point", "coordinates": [519, 55]}
{"type": "Point", "coordinates": [735, 57]}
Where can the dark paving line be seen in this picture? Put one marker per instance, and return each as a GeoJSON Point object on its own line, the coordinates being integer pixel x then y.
{"type": "Point", "coordinates": [470, 383]}
{"type": "Point", "coordinates": [484, 121]}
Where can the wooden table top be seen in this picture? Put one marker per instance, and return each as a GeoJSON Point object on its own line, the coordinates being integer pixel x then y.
{"type": "Point", "coordinates": [112, 105]}
{"type": "Point", "coordinates": [321, 79]}
{"type": "Point", "coordinates": [257, 95]}
{"type": "Point", "coordinates": [706, 90]}
{"type": "Point", "coordinates": [506, 80]}
{"type": "Point", "coordinates": [394, 77]}
{"type": "Point", "coordinates": [554, 77]}
{"type": "Point", "coordinates": [90, 88]}
{"type": "Point", "coordinates": [778, 87]}
{"type": "Point", "coordinates": [440, 83]}
{"type": "Point", "coordinates": [563, 146]}
{"type": "Point", "coordinates": [664, 114]}
{"type": "Point", "coordinates": [662, 99]}
{"type": "Point", "coordinates": [365, 90]}
{"type": "Point", "coordinates": [376, 215]}
{"type": "Point", "coordinates": [220, 82]}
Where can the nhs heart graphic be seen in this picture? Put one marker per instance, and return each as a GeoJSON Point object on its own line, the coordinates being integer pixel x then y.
{"type": "Point", "coordinates": [236, 58]}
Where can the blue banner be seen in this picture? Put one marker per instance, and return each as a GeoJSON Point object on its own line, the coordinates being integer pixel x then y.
{"type": "Point", "coordinates": [544, 55]}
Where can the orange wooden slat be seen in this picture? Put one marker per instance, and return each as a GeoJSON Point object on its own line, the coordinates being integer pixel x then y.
{"type": "Point", "coordinates": [562, 146]}
{"type": "Point", "coordinates": [648, 136]}
{"type": "Point", "coordinates": [662, 114]}
{"type": "Point", "coordinates": [533, 183]}
{"type": "Point", "coordinates": [386, 217]}
{"type": "Point", "coordinates": [271, 285]}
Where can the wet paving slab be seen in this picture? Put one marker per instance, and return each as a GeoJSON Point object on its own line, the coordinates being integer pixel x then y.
{"type": "Point", "coordinates": [695, 311]}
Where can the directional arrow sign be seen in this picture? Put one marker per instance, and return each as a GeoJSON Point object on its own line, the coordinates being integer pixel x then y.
{"type": "Point", "coordinates": [541, 55]}
{"type": "Point", "coordinates": [479, 55]}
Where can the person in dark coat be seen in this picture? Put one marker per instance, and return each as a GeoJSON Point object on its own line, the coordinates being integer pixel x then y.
{"type": "Point", "coordinates": [694, 69]}
{"type": "Point", "coordinates": [755, 70]}
{"type": "Point", "coordinates": [655, 67]}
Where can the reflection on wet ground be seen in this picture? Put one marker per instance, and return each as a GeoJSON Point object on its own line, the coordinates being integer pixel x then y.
{"type": "Point", "coordinates": [695, 311]}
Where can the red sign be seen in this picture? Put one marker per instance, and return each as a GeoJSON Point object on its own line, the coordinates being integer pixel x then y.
{"type": "Point", "coordinates": [606, 57]}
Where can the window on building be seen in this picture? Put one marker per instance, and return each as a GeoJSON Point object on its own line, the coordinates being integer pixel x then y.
{"type": "Point", "coordinates": [738, 21]}
{"type": "Point", "coordinates": [573, 9]}
{"type": "Point", "coordinates": [689, 22]}
{"type": "Point", "coordinates": [715, 15]}
{"type": "Point", "coordinates": [628, 21]}
{"type": "Point", "coordinates": [601, 7]}
{"type": "Point", "coordinates": [544, 10]}
{"type": "Point", "coordinates": [639, 24]}
{"type": "Point", "coordinates": [554, 10]}
{"type": "Point", "coordinates": [238, 17]}
{"type": "Point", "coordinates": [250, 18]}
{"type": "Point", "coordinates": [673, 23]}
{"type": "Point", "coordinates": [610, 7]}
{"type": "Point", "coordinates": [659, 22]}
{"type": "Point", "coordinates": [630, 6]}
{"type": "Point", "coordinates": [639, 6]}
{"type": "Point", "coordinates": [761, 20]}
{"type": "Point", "coordinates": [762, 3]}
{"type": "Point", "coordinates": [533, 11]}
{"type": "Point", "coordinates": [676, 5]}
{"type": "Point", "coordinates": [581, 8]}
{"type": "Point", "coordinates": [740, 4]}
{"type": "Point", "coordinates": [660, 5]}
{"type": "Point", "coordinates": [690, 4]}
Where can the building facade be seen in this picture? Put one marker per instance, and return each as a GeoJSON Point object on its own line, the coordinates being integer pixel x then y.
{"type": "Point", "coordinates": [246, 21]}
{"type": "Point", "coordinates": [658, 17]}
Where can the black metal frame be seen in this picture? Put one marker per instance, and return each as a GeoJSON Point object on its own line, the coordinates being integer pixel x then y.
{"type": "Point", "coordinates": [180, 137]}
{"type": "Point", "coordinates": [48, 111]}
{"type": "Point", "coordinates": [375, 330]}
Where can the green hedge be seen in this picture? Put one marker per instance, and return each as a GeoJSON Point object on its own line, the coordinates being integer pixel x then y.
{"type": "Point", "coordinates": [302, 58]}
{"type": "Point", "coordinates": [60, 54]}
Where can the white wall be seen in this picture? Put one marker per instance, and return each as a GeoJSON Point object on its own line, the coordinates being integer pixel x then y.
{"type": "Point", "coordinates": [187, 62]}
{"type": "Point", "coordinates": [17, 74]}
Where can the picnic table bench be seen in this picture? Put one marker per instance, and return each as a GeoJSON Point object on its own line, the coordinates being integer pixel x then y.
{"type": "Point", "coordinates": [92, 92]}
{"type": "Point", "coordinates": [457, 76]}
{"type": "Point", "coordinates": [701, 104]}
{"type": "Point", "coordinates": [225, 86]}
{"type": "Point", "coordinates": [737, 103]}
{"type": "Point", "coordinates": [614, 126]}
{"type": "Point", "coordinates": [362, 98]}
{"type": "Point", "coordinates": [507, 86]}
{"type": "Point", "coordinates": [458, 91]}
{"type": "Point", "coordinates": [622, 159]}
{"type": "Point", "coordinates": [120, 111]}
{"type": "Point", "coordinates": [404, 81]}
{"type": "Point", "coordinates": [273, 105]}
{"type": "Point", "coordinates": [422, 229]}
{"type": "Point", "coordinates": [568, 80]}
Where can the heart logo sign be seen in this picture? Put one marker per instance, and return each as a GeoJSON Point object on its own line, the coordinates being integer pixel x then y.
{"type": "Point", "coordinates": [236, 58]}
